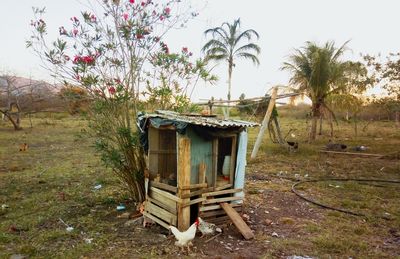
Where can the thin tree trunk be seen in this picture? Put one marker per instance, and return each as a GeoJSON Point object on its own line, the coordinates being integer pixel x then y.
{"type": "Point", "coordinates": [355, 126]}
{"type": "Point", "coordinates": [331, 125]}
{"type": "Point", "coordinates": [396, 118]}
{"type": "Point", "coordinates": [320, 125]}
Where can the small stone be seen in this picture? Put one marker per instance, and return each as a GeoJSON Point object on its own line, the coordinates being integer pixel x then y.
{"type": "Point", "coordinates": [274, 234]}
{"type": "Point", "coordinates": [18, 256]}
{"type": "Point", "coordinates": [275, 208]}
{"type": "Point", "coordinates": [88, 240]}
{"type": "Point", "coordinates": [124, 215]}
{"type": "Point", "coordinates": [268, 222]}
{"type": "Point", "coordinates": [133, 222]}
{"type": "Point", "coordinates": [266, 212]}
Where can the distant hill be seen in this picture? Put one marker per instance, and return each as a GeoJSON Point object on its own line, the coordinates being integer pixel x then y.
{"type": "Point", "coordinates": [23, 86]}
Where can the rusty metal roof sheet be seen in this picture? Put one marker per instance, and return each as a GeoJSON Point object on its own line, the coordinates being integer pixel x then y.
{"type": "Point", "coordinates": [205, 121]}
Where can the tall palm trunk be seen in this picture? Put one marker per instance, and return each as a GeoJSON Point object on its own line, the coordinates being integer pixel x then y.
{"type": "Point", "coordinates": [230, 68]}
{"type": "Point", "coordinates": [316, 113]}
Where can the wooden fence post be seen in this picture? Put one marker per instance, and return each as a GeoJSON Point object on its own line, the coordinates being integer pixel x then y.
{"type": "Point", "coordinates": [264, 124]}
{"type": "Point", "coordinates": [183, 180]}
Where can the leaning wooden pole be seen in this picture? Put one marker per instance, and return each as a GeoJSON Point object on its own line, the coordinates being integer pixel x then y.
{"type": "Point", "coordinates": [183, 181]}
{"type": "Point", "coordinates": [264, 124]}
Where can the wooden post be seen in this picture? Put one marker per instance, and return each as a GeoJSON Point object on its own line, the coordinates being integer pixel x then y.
{"type": "Point", "coordinates": [183, 180]}
{"type": "Point", "coordinates": [202, 172]}
{"type": "Point", "coordinates": [264, 124]}
{"type": "Point", "coordinates": [214, 163]}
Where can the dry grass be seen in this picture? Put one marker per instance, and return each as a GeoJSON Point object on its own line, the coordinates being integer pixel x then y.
{"type": "Point", "coordinates": [55, 179]}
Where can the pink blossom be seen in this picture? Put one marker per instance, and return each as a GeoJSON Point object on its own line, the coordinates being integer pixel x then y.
{"type": "Point", "coordinates": [93, 18]}
{"type": "Point", "coordinates": [126, 16]}
{"type": "Point", "coordinates": [132, 1]}
{"type": "Point", "coordinates": [161, 18]}
{"type": "Point", "coordinates": [111, 90]}
{"type": "Point", "coordinates": [66, 57]}
{"type": "Point", "coordinates": [88, 60]}
{"type": "Point", "coordinates": [143, 3]}
{"type": "Point", "coordinates": [74, 19]}
{"type": "Point", "coordinates": [75, 32]}
{"type": "Point", "coordinates": [62, 30]}
{"type": "Point", "coordinates": [139, 36]}
{"type": "Point", "coordinates": [167, 10]}
{"type": "Point", "coordinates": [185, 49]}
{"type": "Point", "coordinates": [76, 59]}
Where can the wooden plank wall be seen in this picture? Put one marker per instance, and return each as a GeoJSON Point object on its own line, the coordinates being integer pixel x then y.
{"type": "Point", "coordinates": [161, 207]}
{"type": "Point", "coordinates": [211, 211]}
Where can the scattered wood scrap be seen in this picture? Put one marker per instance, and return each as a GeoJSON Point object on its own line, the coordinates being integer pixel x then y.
{"type": "Point", "coordinates": [237, 221]}
{"type": "Point", "coordinates": [352, 153]}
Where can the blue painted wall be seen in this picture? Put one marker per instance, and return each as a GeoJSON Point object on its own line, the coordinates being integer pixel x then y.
{"type": "Point", "coordinates": [201, 151]}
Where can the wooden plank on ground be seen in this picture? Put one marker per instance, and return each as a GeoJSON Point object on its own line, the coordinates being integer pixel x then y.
{"type": "Point", "coordinates": [164, 186]}
{"type": "Point", "coordinates": [219, 200]}
{"type": "Point", "coordinates": [238, 221]}
{"type": "Point", "coordinates": [159, 221]}
{"type": "Point", "coordinates": [169, 207]}
{"type": "Point", "coordinates": [161, 213]}
{"type": "Point", "coordinates": [221, 192]}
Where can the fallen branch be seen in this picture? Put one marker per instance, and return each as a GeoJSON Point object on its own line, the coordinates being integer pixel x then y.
{"type": "Point", "coordinates": [351, 153]}
{"type": "Point", "coordinates": [212, 238]}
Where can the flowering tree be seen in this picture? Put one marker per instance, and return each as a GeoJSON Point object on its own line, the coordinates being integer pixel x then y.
{"type": "Point", "coordinates": [111, 56]}
{"type": "Point", "coordinates": [171, 84]}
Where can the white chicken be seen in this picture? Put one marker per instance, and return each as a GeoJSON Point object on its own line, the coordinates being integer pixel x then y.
{"type": "Point", "coordinates": [185, 238]}
{"type": "Point", "coordinates": [207, 228]}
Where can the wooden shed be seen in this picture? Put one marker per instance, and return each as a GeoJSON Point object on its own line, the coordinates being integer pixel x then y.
{"type": "Point", "coordinates": [194, 163]}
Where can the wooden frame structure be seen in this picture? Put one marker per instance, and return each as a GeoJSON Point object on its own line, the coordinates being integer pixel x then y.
{"type": "Point", "coordinates": [197, 188]}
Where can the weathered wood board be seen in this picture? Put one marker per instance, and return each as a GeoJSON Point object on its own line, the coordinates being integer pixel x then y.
{"type": "Point", "coordinates": [237, 221]}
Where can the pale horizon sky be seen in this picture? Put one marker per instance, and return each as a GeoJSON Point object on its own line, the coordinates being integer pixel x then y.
{"type": "Point", "coordinates": [283, 25]}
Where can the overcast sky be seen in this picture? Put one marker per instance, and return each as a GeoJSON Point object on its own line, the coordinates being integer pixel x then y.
{"type": "Point", "coordinates": [371, 25]}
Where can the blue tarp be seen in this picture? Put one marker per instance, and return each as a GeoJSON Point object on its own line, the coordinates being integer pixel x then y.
{"type": "Point", "coordinates": [241, 163]}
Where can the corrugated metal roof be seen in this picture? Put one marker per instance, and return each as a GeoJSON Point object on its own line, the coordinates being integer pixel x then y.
{"type": "Point", "coordinates": [206, 121]}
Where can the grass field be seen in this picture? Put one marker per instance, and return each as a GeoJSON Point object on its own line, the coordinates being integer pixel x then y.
{"type": "Point", "coordinates": [55, 178]}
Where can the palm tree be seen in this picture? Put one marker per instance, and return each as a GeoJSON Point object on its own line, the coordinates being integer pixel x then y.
{"type": "Point", "coordinates": [318, 72]}
{"type": "Point", "coordinates": [229, 43]}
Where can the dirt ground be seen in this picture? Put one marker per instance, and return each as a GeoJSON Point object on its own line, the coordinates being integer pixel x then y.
{"type": "Point", "coordinates": [55, 178]}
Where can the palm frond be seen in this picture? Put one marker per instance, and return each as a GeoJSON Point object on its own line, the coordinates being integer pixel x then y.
{"type": "Point", "coordinates": [248, 47]}
{"type": "Point", "coordinates": [252, 57]}
{"type": "Point", "coordinates": [213, 43]}
{"type": "Point", "coordinates": [247, 34]}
